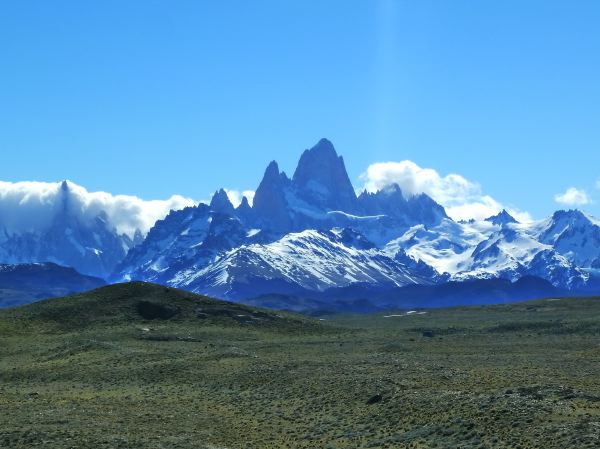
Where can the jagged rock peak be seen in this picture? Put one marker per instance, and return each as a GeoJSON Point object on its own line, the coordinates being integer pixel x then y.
{"type": "Point", "coordinates": [64, 199]}
{"type": "Point", "coordinates": [318, 162]}
{"type": "Point", "coordinates": [269, 204]}
{"type": "Point", "coordinates": [321, 178]}
{"type": "Point", "coordinates": [220, 202]}
{"type": "Point", "coordinates": [323, 150]}
{"type": "Point", "coordinates": [391, 201]}
{"type": "Point", "coordinates": [502, 218]}
{"type": "Point", "coordinates": [244, 211]}
{"type": "Point", "coordinates": [273, 176]}
{"type": "Point", "coordinates": [391, 190]}
{"type": "Point", "coordinates": [244, 205]}
{"type": "Point", "coordinates": [272, 170]}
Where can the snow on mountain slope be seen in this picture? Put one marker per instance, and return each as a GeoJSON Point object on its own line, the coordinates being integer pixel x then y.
{"type": "Point", "coordinates": [512, 252]}
{"type": "Point", "coordinates": [573, 234]}
{"type": "Point", "coordinates": [498, 247]}
{"type": "Point", "coordinates": [193, 236]}
{"type": "Point", "coordinates": [171, 239]}
{"type": "Point", "coordinates": [310, 260]}
{"type": "Point", "coordinates": [446, 247]}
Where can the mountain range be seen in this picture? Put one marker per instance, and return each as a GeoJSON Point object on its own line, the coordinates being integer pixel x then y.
{"type": "Point", "coordinates": [25, 283]}
{"type": "Point", "coordinates": [311, 235]}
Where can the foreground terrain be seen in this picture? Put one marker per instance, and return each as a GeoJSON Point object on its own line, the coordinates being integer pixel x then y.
{"type": "Point", "coordinates": [141, 366]}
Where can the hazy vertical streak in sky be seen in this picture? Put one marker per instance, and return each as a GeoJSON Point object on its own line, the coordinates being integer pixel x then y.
{"type": "Point", "coordinates": [385, 74]}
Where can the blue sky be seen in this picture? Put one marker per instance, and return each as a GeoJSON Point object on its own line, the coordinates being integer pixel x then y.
{"type": "Point", "coordinates": [158, 98]}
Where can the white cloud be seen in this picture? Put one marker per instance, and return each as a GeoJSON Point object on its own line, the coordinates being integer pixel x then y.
{"type": "Point", "coordinates": [31, 206]}
{"type": "Point", "coordinates": [235, 196]}
{"type": "Point", "coordinates": [462, 198]}
{"type": "Point", "coordinates": [573, 197]}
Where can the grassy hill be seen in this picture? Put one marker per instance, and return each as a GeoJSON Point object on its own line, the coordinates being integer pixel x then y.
{"type": "Point", "coordinates": [144, 366]}
{"type": "Point", "coordinates": [130, 303]}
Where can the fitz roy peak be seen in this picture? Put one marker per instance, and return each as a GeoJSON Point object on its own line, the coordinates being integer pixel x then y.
{"type": "Point", "coordinates": [321, 196]}
{"type": "Point", "coordinates": [312, 234]}
{"type": "Point", "coordinates": [319, 188]}
{"type": "Point", "coordinates": [321, 180]}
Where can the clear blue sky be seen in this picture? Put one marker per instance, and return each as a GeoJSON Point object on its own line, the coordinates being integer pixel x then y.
{"type": "Point", "coordinates": [160, 97]}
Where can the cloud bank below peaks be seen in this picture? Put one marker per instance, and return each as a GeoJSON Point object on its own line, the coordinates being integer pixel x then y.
{"type": "Point", "coordinates": [463, 199]}
{"type": "Point", "coordinates": [32, 207]}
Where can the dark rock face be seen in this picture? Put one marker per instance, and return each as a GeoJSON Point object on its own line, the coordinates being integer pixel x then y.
{"type": "Point", "coordinates": [244, 211]}
{"type": "Point", "coordinates": [391, 202]}
{"type": "Point", "coordinates": [220, 203]}
{"type": "Point", "coordinates": [502, 218]}
{"type": "Point", "coordinates": [321, 179]}
{"type": "Point", "coordinates": [225, 232]}
{"type": "Point", "coordinates": [354, 239]}
{"type": "Point", "coordinates": [270, 208]}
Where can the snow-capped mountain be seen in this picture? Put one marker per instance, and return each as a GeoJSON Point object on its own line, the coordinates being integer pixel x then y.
{"type": "Point", "coordinates": [91, 246]}
{"type": "Point", "coordinates": [573, 234]}
{"type": "Point", "coordinates": [311, 232]}
{"type": "Point", "coordinates": [308, 260]}
{"type": "Point", "coordinates": [562, 249]}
